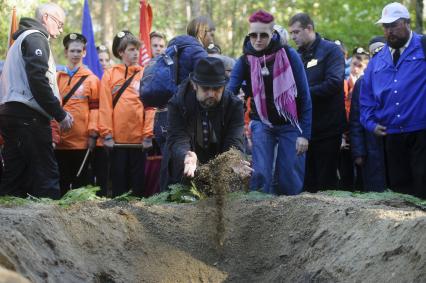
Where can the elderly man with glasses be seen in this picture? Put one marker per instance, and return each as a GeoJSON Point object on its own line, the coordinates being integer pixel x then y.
{"type": "Point", "coordinates": [29, 100]}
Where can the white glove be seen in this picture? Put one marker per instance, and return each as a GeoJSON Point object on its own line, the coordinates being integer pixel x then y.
{"type": "Point", "coordinates": [147, 143]}
{"type": "Point", "coordinates": [67, 122]}
{"type": "Point", "coordinates": [109, 142]}
{"type": "Point", "coordinates": [190, 164]}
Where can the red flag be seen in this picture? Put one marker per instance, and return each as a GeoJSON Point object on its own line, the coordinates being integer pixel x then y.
{"type": "Point", "coordinates": [13, 27]}
{"type": "Point", "coordinates": [145, 25]}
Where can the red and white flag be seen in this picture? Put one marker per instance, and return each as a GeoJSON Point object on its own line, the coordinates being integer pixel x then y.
{"type": "Point", "coordinates": [145, 24]}
{"type": "Point", "coordinates": [13, 27]}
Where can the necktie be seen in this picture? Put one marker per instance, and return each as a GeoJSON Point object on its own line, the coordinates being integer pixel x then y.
{"type": "Point", "coordinates": [396, 55]}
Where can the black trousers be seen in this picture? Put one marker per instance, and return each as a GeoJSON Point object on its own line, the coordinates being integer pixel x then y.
{"type": "Point", "coordinates": [99, 162]}
{"type": "Point", "coordinates": [321, 164]}
{"type": "Point", "coordinates": [69, 162]}
{"type": "Point", "coordinates": [127, 171]}
{"type": "Point", "coordinates": [30, 165]}
{"type": "Point", "coordinates": [406, 162]}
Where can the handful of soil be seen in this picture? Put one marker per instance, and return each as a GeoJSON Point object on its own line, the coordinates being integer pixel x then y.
{"type": "Point", "coordinates": [218, 176]}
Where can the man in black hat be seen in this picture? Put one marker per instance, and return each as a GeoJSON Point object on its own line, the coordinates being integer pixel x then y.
{"type": "Point", "coordinates": [204, 120]}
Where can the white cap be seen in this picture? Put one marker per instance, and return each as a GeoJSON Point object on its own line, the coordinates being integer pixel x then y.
{"type": "Point", "coordinates": [392, 12]}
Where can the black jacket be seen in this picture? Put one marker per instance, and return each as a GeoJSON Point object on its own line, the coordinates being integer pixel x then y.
{"type": "Point", "coordinates": [325, 69]}
{"type": "Point", "coordinates": [227, 121]}
{"type": "Point", "coordinates": [36, 66]}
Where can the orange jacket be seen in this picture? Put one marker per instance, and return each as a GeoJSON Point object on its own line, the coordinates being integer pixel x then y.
{"type": "Point", "coordinates": [128, 122]}
{"type": "Point", "coordinates": [348, 97]}
{"type": "Point", "coordinates": [83, 106]}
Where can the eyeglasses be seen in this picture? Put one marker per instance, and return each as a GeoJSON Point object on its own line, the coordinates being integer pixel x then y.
{"type": "Point", "coordinates": [255, 35]}
{"type": "Point", "coordinates": [57, 21]}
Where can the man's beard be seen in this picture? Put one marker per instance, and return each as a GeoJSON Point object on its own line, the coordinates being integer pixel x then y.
{"type": "Point", "coordinates": [397, 43]}
{"type": "Point", "coordinates": [209, 103]}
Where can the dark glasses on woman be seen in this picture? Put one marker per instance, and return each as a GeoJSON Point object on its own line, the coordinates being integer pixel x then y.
{"type": "Point", "coordinates": [255, 35]}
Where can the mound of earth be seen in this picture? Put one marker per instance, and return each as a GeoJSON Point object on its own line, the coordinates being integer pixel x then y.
{"type": "Point", "coordinates": [305, 238]}
{"type": "Point", "coordinates": [218, 177]}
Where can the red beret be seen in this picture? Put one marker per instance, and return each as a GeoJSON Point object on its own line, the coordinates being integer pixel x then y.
{"type": "Point", "coordinates": [261, 16]}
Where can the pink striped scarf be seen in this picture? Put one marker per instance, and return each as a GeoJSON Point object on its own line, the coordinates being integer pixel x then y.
{"type": "Point", "coordinates": [284, 87]}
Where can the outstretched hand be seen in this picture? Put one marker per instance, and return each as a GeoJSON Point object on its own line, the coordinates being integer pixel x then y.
{"type": "Point", "coordinates": [190, 164]}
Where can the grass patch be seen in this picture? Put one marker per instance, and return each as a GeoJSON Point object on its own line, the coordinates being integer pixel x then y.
{"type": "Point", "coordinates": [87, 193]}
{"type": "Point", "coordinates": [386, 195]}
{"type": "Point", "coordinates": [13, 201]}
{"type": "Point", "coordinates": [252, 195]}
{"type": "Point", "coordinates": [178, 193]}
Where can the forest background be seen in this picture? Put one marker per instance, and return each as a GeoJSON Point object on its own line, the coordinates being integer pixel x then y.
{"type": "Point", "coordinates": [351, 21]}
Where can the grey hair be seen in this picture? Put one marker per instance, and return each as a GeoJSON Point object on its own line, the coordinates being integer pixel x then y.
{"type": "Point", "coordinates": [283, 34]}
{"type": "Point", "coordinates": [47, 8]}
{"type": "Point", "coordinates": [228, 62]}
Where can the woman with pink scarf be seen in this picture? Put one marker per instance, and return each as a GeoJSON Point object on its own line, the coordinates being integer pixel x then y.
{"type": "Point", "coordinates": [281, 110]}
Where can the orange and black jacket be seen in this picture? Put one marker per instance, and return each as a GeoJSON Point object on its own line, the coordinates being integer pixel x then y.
{"type": "Point", "coordinates": [128, 122]}
{"type": "Point", "coordinates": [83, 106]}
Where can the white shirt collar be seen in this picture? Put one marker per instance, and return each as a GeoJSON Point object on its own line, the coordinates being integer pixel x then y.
{"type": "Point", "coordinates": [402, 49]}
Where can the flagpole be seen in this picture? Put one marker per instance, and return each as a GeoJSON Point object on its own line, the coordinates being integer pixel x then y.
{"type": "Point", "coordinates": [13, 27]}
{"type": "Point", "coordinates": [145, 24]}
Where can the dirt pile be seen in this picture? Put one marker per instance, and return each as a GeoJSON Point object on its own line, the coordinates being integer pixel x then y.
{"type": "Point", "coordinates": [218, 177]}
{"type": "Point", "coordinates": [7, 276]}
{"type": "Point", "coordinates": [306, 238]}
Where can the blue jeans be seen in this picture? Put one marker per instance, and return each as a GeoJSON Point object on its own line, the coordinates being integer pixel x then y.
{"type": "Point", "coordinates": [289, 167]}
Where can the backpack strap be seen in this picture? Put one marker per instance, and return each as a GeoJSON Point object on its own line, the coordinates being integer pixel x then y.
{"type": "Point", "coordinates": [122, 89]}
{"type": "Point", "coordinates": [178, 51]}
{"type": "Point", "coordinates": [73, 90]}
{"type": "Point", "coordinates": [424, 44]}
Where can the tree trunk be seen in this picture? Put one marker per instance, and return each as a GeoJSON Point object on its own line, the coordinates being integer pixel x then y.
{"type": "Point", "coordinates": [419, 16]}
{"type": "Point", "coordinates": [196, 8]}
{"type": "Point", "coordinates": [109, 22]}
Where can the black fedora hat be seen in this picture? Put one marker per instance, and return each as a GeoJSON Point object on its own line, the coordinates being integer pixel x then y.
{"type": "Point", "coordinates": [209, 71]}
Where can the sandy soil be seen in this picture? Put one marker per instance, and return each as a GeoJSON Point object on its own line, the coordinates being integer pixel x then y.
{"type": "Point", "coordinates": [306, 238]}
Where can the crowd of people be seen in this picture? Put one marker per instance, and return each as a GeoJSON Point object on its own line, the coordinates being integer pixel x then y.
{"type": "Point", "coordinates": [311, 118]}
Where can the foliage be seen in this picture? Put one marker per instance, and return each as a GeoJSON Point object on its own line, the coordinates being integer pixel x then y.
{"type": "Point", "coordinates": [126, 197]}
{"type": "Point", "coordinates": [387, 195]}
{"type": "Point", "coordinates": [13, 201]}
{"type": "Point", "coordinates": [184, 194]}
{"type": "Point", "coordinates": [87, 193]}
{"type": "Point", "coordinates": [78, 195]}
{"type": "Point", "coordinates": [350, 21]}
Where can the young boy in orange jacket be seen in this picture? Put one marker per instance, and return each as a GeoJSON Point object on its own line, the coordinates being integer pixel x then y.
{"type": "Point", "coordinates": [123, 118]}
{"type": "Point", "coordinates": [79, 88]}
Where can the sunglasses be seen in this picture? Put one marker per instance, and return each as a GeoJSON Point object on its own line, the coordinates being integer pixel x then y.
{"type": "Point", "coordinates": [57, 21]}
{"type": "Point", "coordinates": [255, 35]}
